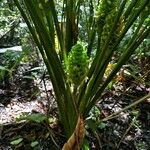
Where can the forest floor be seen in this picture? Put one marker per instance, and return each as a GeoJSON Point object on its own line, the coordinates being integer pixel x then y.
{"type": "Point", "coordinates": [24, 96]}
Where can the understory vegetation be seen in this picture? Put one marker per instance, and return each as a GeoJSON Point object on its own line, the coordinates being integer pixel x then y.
{"type": "Point", "coordinates": [75, 74]}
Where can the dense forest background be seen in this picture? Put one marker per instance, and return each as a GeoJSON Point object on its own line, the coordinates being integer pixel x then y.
{"type": "Point", "coordinates": [58, 76]}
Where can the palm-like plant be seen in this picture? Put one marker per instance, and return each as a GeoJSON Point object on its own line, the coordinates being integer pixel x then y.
{"type": "Point", "coordinates": [106, 29]}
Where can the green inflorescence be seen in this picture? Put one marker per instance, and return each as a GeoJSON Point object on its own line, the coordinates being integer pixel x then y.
{"type": "Point", "coordinates": [77, 64]}
{"type": "Point", "coordinates": [106, 14]}
{"type": "Point", "coordinates": [105, 7]}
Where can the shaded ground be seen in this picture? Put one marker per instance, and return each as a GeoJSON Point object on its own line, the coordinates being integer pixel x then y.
{"type": "Point", "coordinates": [33, 100]}
{"type": "Point", "coordinates": [129, 131]}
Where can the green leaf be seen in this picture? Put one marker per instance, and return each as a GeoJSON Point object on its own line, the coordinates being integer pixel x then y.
{"type": "Point", "coordinates": [147, 53]}
{"type": "Point", "coordinates": [102, 125]}
{"type": "Point", "coordinates": [85, 145]}
{"type": "Point", "coordinates": [91, 124]}
{"type": "Point", "coordinates": [95, 112]}
{"type": "Point", "coordinates": [3, 68]}
{"type": "Point", "coordinates": [34, 143]}
{"type": "Point", "coordinates": [16, 142]}
{"type": "Point", "coordinates": [34, 118]}
{"type": "Point", "coordinates": [110, 85]}
{"type": "Point", "coordinates": [28, 77]}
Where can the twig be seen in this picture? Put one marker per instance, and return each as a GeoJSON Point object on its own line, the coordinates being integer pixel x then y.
{"type": "Point", "coordinates": [47, 96]}
{"type": "Point", "coordinates": [114, 115]}
{"type": "Point", "coordinates": [52, 138]}
{"type": "Point", "coordinates": [126, 132]}
{"type": "Point", "coordinates": [98, 139]}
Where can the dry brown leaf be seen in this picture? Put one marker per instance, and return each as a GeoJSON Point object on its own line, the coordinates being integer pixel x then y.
{"type": "Point", "coordinates": [76, 138]}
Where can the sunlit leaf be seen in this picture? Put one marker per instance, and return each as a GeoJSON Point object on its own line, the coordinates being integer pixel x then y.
{"type": "Point", "coordinates": [3, 68]}
{"type": "Point", "coordinates": [102, 125]}
{"type": "Point", "coordinates": [16, 142]}
{"type": "Point", "coordinates": [34, 143]}
{"type": "Point", "coordinates": [34, 118]}
{"type": "Point", "coordinates": [85, 145]}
